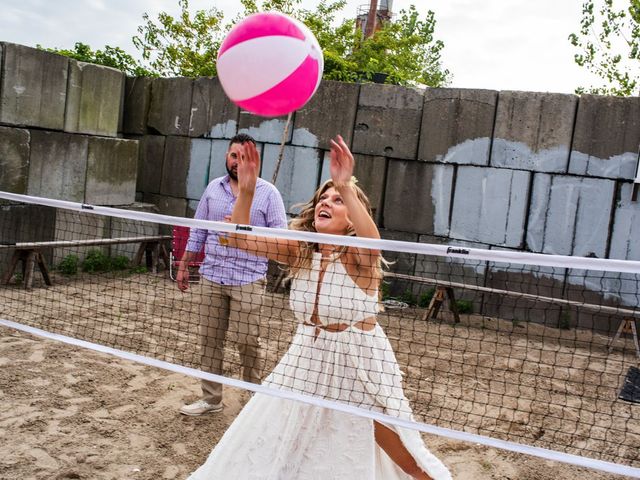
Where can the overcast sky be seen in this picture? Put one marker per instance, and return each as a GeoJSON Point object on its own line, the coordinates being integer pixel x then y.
{"type": "Point", "coordinates": [493, 44]}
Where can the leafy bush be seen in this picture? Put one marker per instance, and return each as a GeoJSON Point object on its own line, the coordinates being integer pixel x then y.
{"type": "Point", "coordinates": [464, 306]}
{"type": "Point", "coordinates": [69, 265]}
{"type": "Point", "coordinates": [408, 297]}
{"type": "Point", "coordinates": [120, 263]}
{"type": "Point", "coordinates": [385, 290]}
{"type": "Point", "coordinates": [425, 298]}
{"type": "Point", "coordinates": [565, 321]}
{"type": "Point", "coordinates": [96, 261]}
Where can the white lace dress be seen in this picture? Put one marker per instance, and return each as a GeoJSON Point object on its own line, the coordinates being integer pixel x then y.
{"type": "Point", "coordinates": [278, 439]}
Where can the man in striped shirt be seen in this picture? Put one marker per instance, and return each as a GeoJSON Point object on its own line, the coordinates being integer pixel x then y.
{"type": "Point", "coordinates": [233, 282]}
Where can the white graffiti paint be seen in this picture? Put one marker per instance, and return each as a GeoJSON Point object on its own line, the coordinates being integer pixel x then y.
{"type": "Point", "coordinates": [470, 152]}
{"type": "Point", "coordinates": [507, 153]}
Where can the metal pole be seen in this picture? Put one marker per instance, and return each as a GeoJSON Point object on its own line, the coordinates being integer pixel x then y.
{"type": "Point", "coordinates": [284, 140]}
{"type": "Point", "coordinates": [370, 28]}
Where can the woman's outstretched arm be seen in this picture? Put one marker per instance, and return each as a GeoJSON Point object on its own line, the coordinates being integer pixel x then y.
{"type": "Point", "coordinates": [341, 167]}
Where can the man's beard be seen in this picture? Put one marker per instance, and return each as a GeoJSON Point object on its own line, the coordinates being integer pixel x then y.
{"type": "Point", "coordinates": [232, 174]}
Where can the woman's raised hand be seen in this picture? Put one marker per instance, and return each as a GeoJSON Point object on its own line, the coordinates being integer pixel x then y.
{"type": "Point", "coordinates": [248, 167]}
{"type": "Point", "coordinates": [342, 163]}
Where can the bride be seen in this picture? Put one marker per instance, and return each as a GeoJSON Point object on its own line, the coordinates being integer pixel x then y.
{"type": "Point", "coordinates": [339, 353]}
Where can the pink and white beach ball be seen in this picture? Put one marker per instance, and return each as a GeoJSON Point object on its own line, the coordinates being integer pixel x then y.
{"type": "Point", "coordinates": [270, 64]}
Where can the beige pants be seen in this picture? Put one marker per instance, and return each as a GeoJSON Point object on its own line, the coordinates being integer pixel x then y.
{"type": "Point", "coordinates": [232, 310]}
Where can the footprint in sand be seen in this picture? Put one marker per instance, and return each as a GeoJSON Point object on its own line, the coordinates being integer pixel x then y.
{"type": "Point", "coordinates": [37, 356]}
{"type": "Point", "coordinates": [43, 459]}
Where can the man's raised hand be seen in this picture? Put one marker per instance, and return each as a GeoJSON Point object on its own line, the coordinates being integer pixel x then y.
{"type": "Point", "coordinates": [248, 167]}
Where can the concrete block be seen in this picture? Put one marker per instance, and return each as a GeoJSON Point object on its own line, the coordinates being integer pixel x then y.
{"type": "Point", "coordinates": [198, 173]}
{"type": "Point", "coordinates": [595, 289]}
{"type": "Point", "coordinates": [489, 206]}
{"type": "Point", "coordinates": [93, 99]}
{"type": "Point", "coordinates": [111, 171]}
{"type": "Point", "coordinates": [265, 130]}
{"type": "Point", "coordinates": [625, 237]}
{"type": "Point", "coordinates": [594, 218]}
{"type": "Point", "coordinates": [124, 227]}
{"type": "Point", "coordinates": [606, 138]}
{"type": "Point", "coordinates": [298, 173]}
{"type": "Point", "coordinates": [524, 279]}
{"type": "Point", "coordinates": [25, 223]}
{"type": "Point", "coordinates": [325, 169]}
{"type": "Point", "coordinates": [533, 131]}
{"type": "Point", "coordinates": [418, 197]}
{"type": "Point", "coordinates": [457, 126]}
{"type": "Point", "coordinates": [213, 114]}
{"type": "Point", "coordinates": [150, 160]}
{"type": "Point", "coordinates": [137, 100]}
{"type": "Point", "coordinates": [370, 173]}
{"type": "Point", "coordinates": [14, 159]}
{"type": "Point", "coordinates": [58, 166]}
{"type": "Point", "coordinates": [121, 108]}
{"type": "Point", "coordinates": [399, 262]}
{"type": "Point", "coordinates": [72, 225]}
{"type": "Point", "coordinates": [217, 163]}
{"type": "Point", "coordinates": [388, 121]}
{"type": "Point", "coordinates": [192, 206]}
{"type": "Point", "coordinates": [170, 110]}
{"type": "Point", "coordinates": [33, 86]}
{"type": "Point", "coordinates": [176, 207]}
{"type": "Point", "coordinates": [570, 215]}
{"type": "Point", "coordinates": [331, 111]}
{"type": "Point", "coordinates": [451, 269]}
{"type": "Point", "coordinates": [177, 152]}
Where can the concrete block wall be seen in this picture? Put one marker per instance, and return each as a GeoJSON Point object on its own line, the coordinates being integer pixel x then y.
{"type": "Point", "coordinates": [25, 223]}
{"type": "Point", "coordinates": [540, 172]}
{"type": "Point", "coordinates": [59, 127]}
{"type": "Point", "coordinates": [60, 124]}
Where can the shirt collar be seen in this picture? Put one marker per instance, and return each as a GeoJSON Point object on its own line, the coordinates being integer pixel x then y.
{"type": "Point", "coordinates": [226, 181]}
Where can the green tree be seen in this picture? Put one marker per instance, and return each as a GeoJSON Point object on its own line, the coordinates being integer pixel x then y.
{"type": "Point", "coordinates": [405, 50]}
{"type": "Point", "coordinates": [609, 45]}
{"type": "Point", "coordinates": [186, 46]}
{"type": "Point", "coordinates": [111, 57]}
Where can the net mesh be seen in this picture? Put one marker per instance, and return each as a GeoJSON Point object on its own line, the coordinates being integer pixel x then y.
{"type": "Point", "coordinates": [525, 353]}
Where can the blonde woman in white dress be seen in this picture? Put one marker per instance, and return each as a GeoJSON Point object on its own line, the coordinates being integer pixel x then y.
{"type": "Point", "coordinates": [339, 353]}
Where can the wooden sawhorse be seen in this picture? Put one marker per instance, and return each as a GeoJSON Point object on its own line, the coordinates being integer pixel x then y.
{"type": "Point", "coordinates": [154, 250]}
{"type": "Point", "coordinates": [29, 253]}
{"type": "Point", "coordinates": [29, 258]}
{"type": "Point", "coordinates": [627, 325]}
{"type": "Point", "coordinates": [436, 303]}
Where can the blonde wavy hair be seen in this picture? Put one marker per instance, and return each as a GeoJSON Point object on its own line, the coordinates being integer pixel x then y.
{"type": "Point", "coordinates": [305, 222]}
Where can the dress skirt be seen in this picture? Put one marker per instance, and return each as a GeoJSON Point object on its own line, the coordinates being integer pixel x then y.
{"type": "Point", "coordinates": [280, 439]}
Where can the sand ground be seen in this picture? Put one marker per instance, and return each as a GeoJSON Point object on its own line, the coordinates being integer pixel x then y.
{"type": "Point", "coordinates": [71, 413]}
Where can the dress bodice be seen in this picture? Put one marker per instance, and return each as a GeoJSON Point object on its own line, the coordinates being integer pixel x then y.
{"type": "Point", "coordinates": [340, 300]}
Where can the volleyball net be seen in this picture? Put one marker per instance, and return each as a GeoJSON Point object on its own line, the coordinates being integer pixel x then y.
{"type": "Point", "coordinates": [527, 352]}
